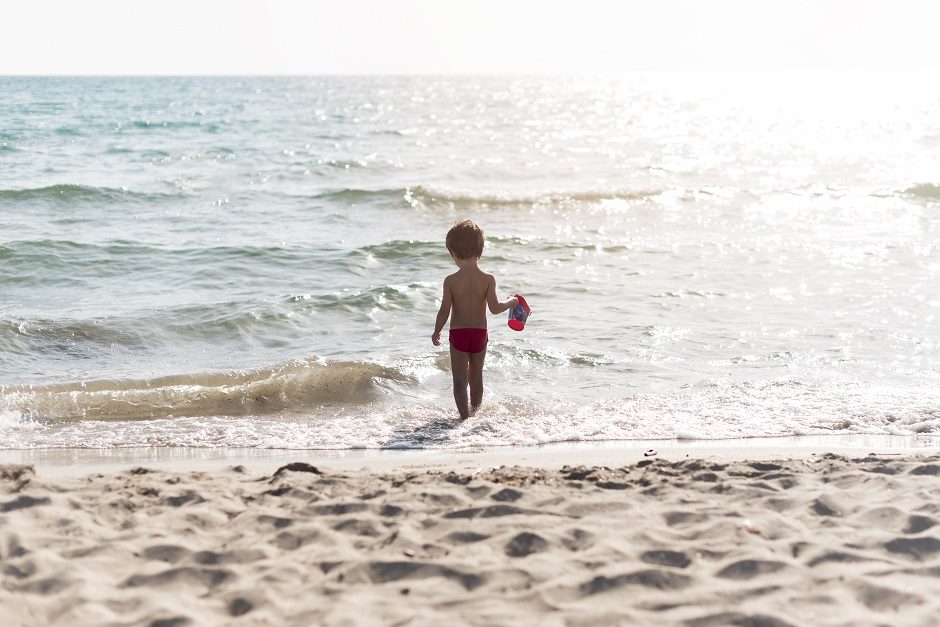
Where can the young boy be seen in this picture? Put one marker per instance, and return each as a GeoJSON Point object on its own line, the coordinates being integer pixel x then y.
{"type": "Point", "coordinates": [468, 292]}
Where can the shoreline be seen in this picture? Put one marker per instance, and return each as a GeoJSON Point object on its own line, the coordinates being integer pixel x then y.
{"type": "Point", "coordinates": [62, 462]}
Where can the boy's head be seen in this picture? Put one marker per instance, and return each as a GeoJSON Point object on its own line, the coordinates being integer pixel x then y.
{"type": "Point", "coordinates": [465, 240]}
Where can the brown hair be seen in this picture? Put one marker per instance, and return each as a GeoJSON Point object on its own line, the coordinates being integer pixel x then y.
{"type": "Point", "coordinates": [465, 240]}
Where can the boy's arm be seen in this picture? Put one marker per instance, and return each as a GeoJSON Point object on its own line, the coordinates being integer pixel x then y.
{"type": "Point", "coordinates": [493, 302]}
{"type": "Point", "coordinates": [442, 314]}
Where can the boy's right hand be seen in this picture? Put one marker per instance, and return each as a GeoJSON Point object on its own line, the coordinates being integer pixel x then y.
{"type": "Point", "coordinates": [436, 338]}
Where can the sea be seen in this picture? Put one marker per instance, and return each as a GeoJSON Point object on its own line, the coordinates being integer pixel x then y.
{"type": "Point", "coordinates": [257, 261]}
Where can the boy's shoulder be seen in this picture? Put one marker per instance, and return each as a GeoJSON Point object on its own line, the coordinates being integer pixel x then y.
{"type": "Point", "coordinates": [468, 272]}
{"type": "Point", "coordinates": [474, 274]}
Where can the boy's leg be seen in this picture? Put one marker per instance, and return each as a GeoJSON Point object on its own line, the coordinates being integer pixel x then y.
{"type": "Point", "coordinates": [475, 377]}
{"type": "Point", "coordinates": [459, 362]}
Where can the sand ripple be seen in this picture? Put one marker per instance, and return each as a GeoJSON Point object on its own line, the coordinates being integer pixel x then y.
{"type": "Point", "coordinates": [824, 541]}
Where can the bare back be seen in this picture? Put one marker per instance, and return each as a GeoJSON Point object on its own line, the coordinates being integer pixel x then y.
{"type": "Point", "coordinates": [469, 290]}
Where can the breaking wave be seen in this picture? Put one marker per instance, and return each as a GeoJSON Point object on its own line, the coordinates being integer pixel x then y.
{"type": "Point", "coordinates": [286, 388]}
{"type": "Point", "coordinates": [426, 195]}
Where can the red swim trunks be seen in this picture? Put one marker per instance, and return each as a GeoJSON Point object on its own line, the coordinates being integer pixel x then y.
{"type": "Point", "coordinates": [468, 340]}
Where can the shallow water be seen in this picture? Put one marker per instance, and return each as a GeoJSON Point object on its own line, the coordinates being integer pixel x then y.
{"type": "Point", "coordinates": [257, 261]}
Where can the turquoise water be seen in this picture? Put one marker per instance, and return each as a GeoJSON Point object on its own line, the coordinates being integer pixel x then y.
{"type": "Point", "coordinates": [257, 261]}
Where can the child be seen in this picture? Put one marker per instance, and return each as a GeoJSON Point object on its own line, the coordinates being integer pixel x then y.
{"type": "Point", "coordinates": [468, 292]}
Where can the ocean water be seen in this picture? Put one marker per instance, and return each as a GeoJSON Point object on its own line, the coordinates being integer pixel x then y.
{"type": "Point", "coordinates": [257, 262]}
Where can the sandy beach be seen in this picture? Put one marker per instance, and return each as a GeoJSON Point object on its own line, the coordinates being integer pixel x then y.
{"type": "Point", "coordinates": [674, 539]}
{"type": "Point", "coordinates": [220, 403]}
{"type": "Point", "coordinates": [266, 277]}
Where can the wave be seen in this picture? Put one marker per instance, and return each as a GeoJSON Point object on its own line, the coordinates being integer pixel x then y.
{"type": "Point", "coordinates": [345, 164]}
{"type": "Point", "coordinates": [71, 337]}
{"type": "Point", "coordinates": [550, 246]}
{"type": "Point", "coordinates": [76, 192]}
{"type": "Point", "coordinates": [927, 191]}
{"type": "Point", "coordinates": [253, 319]}
{"type": "Point", "coordinates": [130, 247]}
{"type": "Point", "coordinates": [120, 246]}
{"type": "Point", "coordinates": [433, 194]}
{"type": "Point", "coordinates": [396, 250]}
{"type": "Point", "coordinates": [286, 388]}
{"type": "Point", "coordinates": [355, 195]}
{"type": "Point", "coordinates": [211, 127]}
{"type": "Point", "coordinates": [35, 261]}
{"type": "Point", "coordinates": [56, 247]}
{"type": "Point", "coordinates": [43, 255]}
{"type": "Point", "coordinates": [427, 195]}
{"type": "Point", "coordinates": [330, 406]}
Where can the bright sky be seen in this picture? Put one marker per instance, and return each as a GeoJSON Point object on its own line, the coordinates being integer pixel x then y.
{"type": "Point", "coordinates": [461, 37]}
